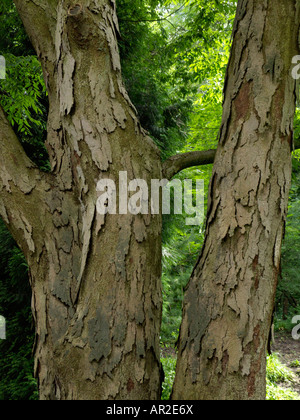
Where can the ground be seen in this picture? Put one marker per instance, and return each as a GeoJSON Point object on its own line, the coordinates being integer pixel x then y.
{"type": "Point", "coordinates": [285, 347]}
{"type": "Point", "coordinates": [288, 351]}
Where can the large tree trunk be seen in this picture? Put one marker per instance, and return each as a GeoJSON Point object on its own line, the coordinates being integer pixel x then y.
{"type": "Point", "coordinates": [230, 297]}
{"type": "Point", "coordinates": [95, 279]}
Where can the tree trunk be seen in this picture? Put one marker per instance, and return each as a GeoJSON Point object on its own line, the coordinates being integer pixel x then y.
{"type": "Point", "coordinates": [95, 279]}
{"type": "Point", "coordinates": [230, 297]}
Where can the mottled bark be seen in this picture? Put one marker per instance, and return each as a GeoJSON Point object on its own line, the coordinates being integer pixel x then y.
{"type": "Point", "coordinates": [95, 279]}
{"type": "Point", "coordinates": [22, 189]}
{"type": "Point", "coordinates": [229, 299]}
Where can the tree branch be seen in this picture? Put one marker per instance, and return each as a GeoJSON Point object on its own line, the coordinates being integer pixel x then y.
{"type": "Point", "coordinates": [177, 163]}
{"type": "Point", "coordinates": [22, 187]}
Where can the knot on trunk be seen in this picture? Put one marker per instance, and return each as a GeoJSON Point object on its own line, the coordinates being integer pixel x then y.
{"type": "Point", "coordinates": [81, 27]}
{"type": "Point", "coordinates": [75, 10]}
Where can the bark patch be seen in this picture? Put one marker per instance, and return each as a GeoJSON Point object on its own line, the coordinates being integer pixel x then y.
{"type": "Point", "coordinates": [241, 103]}
{"type": "Point", "coordinates": [130, 385]}
{"type": "Point", "coordinates": [99, 336]}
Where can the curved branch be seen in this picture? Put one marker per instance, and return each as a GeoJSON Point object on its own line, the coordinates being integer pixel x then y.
{"type": "Point", "coordinates": [177, 163]}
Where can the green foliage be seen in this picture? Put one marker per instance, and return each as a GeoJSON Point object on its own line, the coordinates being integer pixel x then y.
{"type": "Point", "coordinates": [169, 366]}
{"type": "Point", "coordinates": [203, 80]}
{"type": "Point", "coordinates": [295, 363]}
{"type": "Point", "coordinates": [201, 36]}
{"type": "Point", "coordinates": [13, 39]}
{"type": "Point", "coordinates": [21, 92]}
{"type": "Point", "coordinates": [16, 364]}
{"type": "Point", "coordinates": [147, 69]}
{"type": "Point", "coordinates": [288, 291]}
{"type": "Point", "coordinates": [24, 99]}
{"type": "Point", "coordinates": [277, 393]}
{"type": "Point", "coordinates": [181, 247]}
{"type": "Point", "coordinates": [277, 374]}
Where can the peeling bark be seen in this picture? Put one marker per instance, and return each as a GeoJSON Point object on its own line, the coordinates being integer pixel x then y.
{"type": "Point", "coordinates": [230, 297]}
{"type": "Point", "coordinates": [95, 280]}
{"type": "Point", "coordinates": [20, 182]}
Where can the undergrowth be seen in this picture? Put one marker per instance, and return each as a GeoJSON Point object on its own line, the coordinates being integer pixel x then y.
{"type": "Point", "coordinates": [279, 379]}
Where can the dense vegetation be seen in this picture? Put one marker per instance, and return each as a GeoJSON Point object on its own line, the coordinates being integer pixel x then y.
{"type": "Point", "coordinates": [174, 56]}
